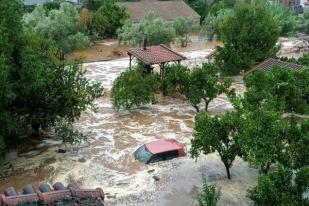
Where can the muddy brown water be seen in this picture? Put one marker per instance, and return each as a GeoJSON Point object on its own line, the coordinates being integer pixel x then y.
{"type": "Point", "coordinates": [108, 161]}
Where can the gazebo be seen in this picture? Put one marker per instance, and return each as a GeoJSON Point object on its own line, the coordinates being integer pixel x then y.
{"type": "Point", "coordinates": [152, 55]}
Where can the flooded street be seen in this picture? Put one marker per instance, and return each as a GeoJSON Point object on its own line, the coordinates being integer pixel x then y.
{"type": "Point", "coordinates": [108, 161]}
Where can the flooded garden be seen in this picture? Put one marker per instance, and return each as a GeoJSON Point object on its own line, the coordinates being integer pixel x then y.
{"type": "Point", "coordinates": [108, 161]}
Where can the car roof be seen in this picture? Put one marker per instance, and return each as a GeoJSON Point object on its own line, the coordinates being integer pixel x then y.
{"type": "Point", "coordinates": [164, 145]}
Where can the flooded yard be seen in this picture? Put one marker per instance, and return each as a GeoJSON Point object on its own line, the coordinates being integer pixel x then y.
{"type": "Point", "coordinates": [108, 161]}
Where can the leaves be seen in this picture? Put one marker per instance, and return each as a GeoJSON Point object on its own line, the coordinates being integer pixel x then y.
{"type": "Point", "coordinates": [249, 34]}
{"type": "Point", "coordinates": [277, 188]}
{"type": "Point", "coordinates": [216, 133]}
{"type": "Point", "coordinates": [199, 84]}
{"type": "Point", "coordinates": [61, 25]}
{"type": "Point", "coordinates": [209, 196]}
{"type": "Point", "coordinates": [133, 88]}
{"type": "Point", "coordinates": [157, 30]}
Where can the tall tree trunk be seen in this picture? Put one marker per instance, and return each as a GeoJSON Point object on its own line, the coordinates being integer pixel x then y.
{"type": "Point", "coordinates": [196, 107]}
{"type": "Point", "coordinates": [206, 103]}
{"type": "Point", "coordinates": [227, 168]}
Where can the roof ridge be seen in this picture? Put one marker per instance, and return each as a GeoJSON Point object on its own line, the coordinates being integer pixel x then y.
{"type": "Point", "coordinates": [166, 47]}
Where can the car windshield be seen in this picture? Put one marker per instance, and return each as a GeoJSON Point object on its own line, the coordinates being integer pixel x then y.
{"type": "Point", "coordinates": [142, 154]}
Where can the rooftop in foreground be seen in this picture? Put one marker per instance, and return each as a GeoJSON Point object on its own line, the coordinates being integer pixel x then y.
{"type": "Point", "coordinates": [268, 64]}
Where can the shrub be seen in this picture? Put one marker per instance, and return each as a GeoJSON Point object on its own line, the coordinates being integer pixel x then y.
{"type": "Point", "coordinates": [133, 88]}
{"type": "Point", "coordinates": [209, 195]}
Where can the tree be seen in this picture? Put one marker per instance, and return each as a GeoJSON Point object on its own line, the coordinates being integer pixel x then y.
{"type": "Point", "coordinates": [210, 26]}
{"type": "Point", "coordinates": [277, 188]}
{"type": "Point", "coordinates": [209, 195]}
{"type": "Point", "coordinates": [200, 7]}
{"type": "Point", "coordinates": [249, 34]}
{"type": "Point", "coordinates": [30, 69]}
{"type": "Point", "coordinates": [288, 21]}
{"type": "Point", "coordinates": [61, 25]}
{"type": "Point", "coordinates": [107, 17]}
{"type": "Point", "coordinates": [216, 133]}
{"type": "Point", "coordinates": [305, 21]}
{"type": "Point", "coordinates": [282, 89]}
{"type": "Point", "coordinates": [262, 138]}
{"type": "Point", "coordinates": [182, 28]}
{"type": "Point", "coordinates": [204, 84]}
{"type": "Point", "coordinates": [133, 88]}
{"type": "Point", "coordinates": [175, 79]}
{"type": "Point", "coordinates": [155, 28]}
{"type": "Point", "coordinates": [198, 84]}
{"type": "Point", "coordinates": [296, 137]}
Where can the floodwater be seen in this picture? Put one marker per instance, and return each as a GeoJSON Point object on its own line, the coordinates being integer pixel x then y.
{"type": "Point", "coordinates": [108, 162]}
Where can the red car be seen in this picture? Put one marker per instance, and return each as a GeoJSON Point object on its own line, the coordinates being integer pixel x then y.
{"type": "Point", "coordinates": [159, 150]}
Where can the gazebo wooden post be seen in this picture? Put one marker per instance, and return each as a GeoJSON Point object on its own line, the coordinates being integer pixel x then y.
{"type": "Point", "coordinates": [178, 62]}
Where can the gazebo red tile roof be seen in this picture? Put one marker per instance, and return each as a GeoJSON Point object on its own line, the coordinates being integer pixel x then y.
{"type": "Point", "coordinates": [155, 54]}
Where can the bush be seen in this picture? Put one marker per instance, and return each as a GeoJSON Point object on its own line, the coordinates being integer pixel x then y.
{"type": "Point", "coordinates": [133, 88]}
{"type": "Point", "coordinates": [209, 195]}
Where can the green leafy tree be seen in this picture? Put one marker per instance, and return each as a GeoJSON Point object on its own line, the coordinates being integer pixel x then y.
{"type": "Point", "coordinates": [175, 79]}
{"type": "Point", "coordinates": [133, 88]}
{"type": "Point", "coordinates": [277, 188]}
{"type": "Point", "coordinates": [262, 138]}
{"type": "Point", "coordinates": [182, 28]}
{"type": "Point", "coordinates": [282, 89]}
{"type": "Point", "coordinates": [200, 7]}
{"type": "Point", "coordinates": [288, 21]}
{"type": "Point", "coordinates": [30, 69]}
{"type": "Point", "coordinates": [249, 35]}
{"type": "Point", "coordinates": [205, 84]}
{"type": "Point", "coordinates": [210, 26]}
{"type": "Point", "coordinates": [107, 17]}
{"type": "Point", "coordinates": [61, 25]}
{"type": "Point", "coordinates": [209, 196]}
{"type": "Point", "coordinates": [296, 153]}
{"type": "Point", "coordinates": [305, 21]}
{"type": "Point", "coordinates": [199, 84]}
{"type": "Point", "coordinates": [216, 133]}
{"type": "Point", "coordinates": [155, 28]}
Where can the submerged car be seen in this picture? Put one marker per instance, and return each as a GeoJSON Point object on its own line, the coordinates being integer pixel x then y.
{"type": "Point", "coordinates": [159, 150]}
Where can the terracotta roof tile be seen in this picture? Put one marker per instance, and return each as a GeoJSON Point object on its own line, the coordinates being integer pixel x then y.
{"type": "Point", "coordinates": [156, 54]}
{"type": "Point", "coordinates": [268, 64]}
